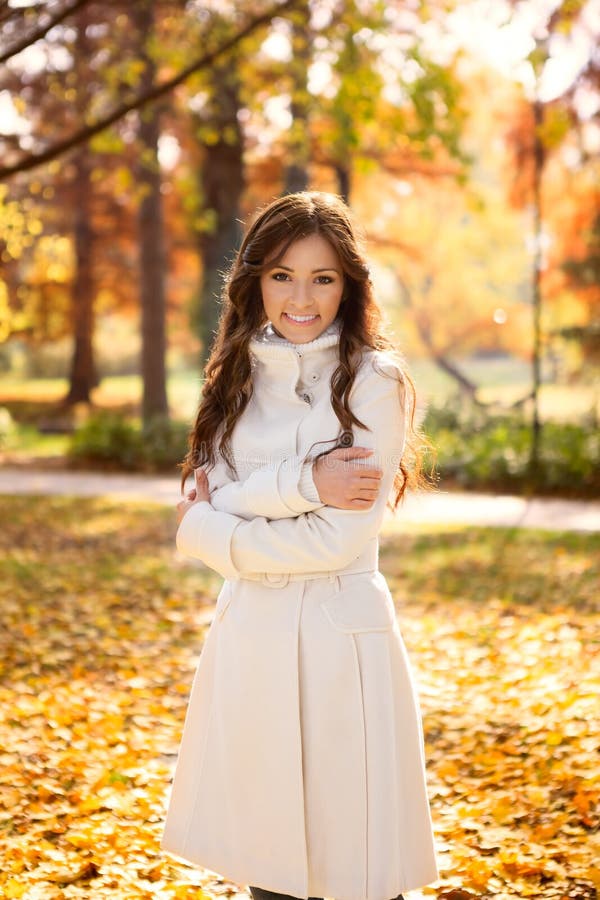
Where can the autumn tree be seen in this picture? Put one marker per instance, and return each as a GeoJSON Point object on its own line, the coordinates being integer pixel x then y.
{"type": "Point", "coordinates": [152, 256]}
{"type": "Point", "coordinates": [296, 172]}
{"type": "Point", "coordinates": [83, 373]}
{"type": "Point", "coordinates": [221, 181]}
{"type": "Point", "coordinates": [22, 160]}
{"type": "Point", "coordinates": [114, 100]}
{"type": "Point", "coordinates": [543, 124]}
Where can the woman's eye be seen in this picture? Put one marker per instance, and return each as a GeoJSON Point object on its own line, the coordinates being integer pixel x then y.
{"type": "Point", "coordinates": [284, 276]}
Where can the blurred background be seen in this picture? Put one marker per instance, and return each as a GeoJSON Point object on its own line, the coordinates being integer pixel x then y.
{"type": "Point", "coordinates": [136, 139]}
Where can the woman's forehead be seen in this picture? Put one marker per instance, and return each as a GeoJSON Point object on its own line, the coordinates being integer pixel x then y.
{"type": "Point", "coordinates": [312, 249]}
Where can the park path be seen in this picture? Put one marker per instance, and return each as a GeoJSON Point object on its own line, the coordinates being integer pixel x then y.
{"type": "Point", "coordinates": [433, 508]}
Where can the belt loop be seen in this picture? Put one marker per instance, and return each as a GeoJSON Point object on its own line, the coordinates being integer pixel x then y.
{"type": "Point", "coordinates": [334, 579]}
{"type": "Point", "coordinates": [272, 579]}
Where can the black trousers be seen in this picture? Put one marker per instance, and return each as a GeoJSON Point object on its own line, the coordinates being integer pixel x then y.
{"type": "Point", "coordinates": [261, 894]}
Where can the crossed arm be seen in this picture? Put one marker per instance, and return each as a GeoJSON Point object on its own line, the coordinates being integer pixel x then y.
{"type": "Point", "coordinates": [321, 539]}
{"type": "Point", "coordinates": [276, 491]}
{"type": "Point", "coordinates": [290, 488]}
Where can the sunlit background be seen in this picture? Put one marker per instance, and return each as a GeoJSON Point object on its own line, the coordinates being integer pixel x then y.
{"type": "Point", "coordinates": [465, 136]}
{"type": "Point", "coordinates": [136, 138]}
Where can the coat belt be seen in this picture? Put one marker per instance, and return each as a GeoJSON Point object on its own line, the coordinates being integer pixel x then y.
{"type": "Point", "coordinates": [368, 561]}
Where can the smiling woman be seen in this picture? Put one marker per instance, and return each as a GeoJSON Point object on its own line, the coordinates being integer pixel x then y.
{"type": "Point", "coordinates": [301, 769]}
{"type": "Point", "coordinates": [303, 291]}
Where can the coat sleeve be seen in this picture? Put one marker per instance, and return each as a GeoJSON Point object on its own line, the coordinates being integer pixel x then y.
{"type": "Point", "coordinates": [276, 491]}
{"type": "Point", "coordinates": [327, 538]}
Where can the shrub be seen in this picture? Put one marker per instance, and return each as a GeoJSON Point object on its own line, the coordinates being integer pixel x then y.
{"type": "Point", "coordinates": [475, 448]}
{"type": "Point", "coordinates": [110, 439]}
{"type": "Point", "coordinates": [164, 442]}
{"type": "Point", "coordinates": [479, 448]}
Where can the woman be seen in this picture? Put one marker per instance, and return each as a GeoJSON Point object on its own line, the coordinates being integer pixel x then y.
{"type": "Point", "coordinates": [301, 766]}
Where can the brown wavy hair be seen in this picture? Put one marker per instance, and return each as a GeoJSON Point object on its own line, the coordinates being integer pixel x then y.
{"type": "Point", "coordinates": [228, 386]}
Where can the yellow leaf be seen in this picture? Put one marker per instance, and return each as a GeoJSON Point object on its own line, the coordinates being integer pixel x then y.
{"type": "Point", "coordinates": [78, 839]}
{"type": "Point", "coordinates": [90, 804]}
{"type": "Point", "coordinates": [85, 869]}
{"type": "Point", "coordinates": [478, 872]}
{"type": "Point", "coordinates": [593, 873]}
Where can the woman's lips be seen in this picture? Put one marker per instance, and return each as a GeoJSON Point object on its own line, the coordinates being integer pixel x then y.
{"type": "Point", "coordinates": [310, 321]}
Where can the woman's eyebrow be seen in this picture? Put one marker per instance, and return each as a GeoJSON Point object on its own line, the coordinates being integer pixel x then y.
{"type": "Point", "coordinates": [288, 269]}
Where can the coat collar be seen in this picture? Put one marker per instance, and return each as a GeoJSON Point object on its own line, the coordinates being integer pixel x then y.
{"type": "Point", "coordinates": [284, 371]}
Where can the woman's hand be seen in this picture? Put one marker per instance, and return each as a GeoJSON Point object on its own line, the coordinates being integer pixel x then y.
{"type": "Point", "coordinates": [197, 493]}
{"type": "Point", "coordinates": [344, 484]}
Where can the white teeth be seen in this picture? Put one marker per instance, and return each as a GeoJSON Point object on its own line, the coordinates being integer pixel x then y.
{"type": "Point", "coordinates": [300, 318]}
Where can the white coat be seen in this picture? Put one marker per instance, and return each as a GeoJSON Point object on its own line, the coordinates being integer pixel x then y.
{"type": "Point", "coordinates": [301, 765]}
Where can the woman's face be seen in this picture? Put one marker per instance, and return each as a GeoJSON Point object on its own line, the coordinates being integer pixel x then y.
{"type": "Point", "coordinates": [302, 293]}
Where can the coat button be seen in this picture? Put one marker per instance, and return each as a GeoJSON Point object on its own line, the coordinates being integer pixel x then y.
{"type": "Point", "coordinates": [314, 376]}
{"type": "Point", "coordinates": [346, 439]}
{"type": "Point", "coordinates": [307, 397]}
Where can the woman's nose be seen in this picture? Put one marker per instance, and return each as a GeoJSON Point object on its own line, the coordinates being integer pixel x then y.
{"type": "Point", "coordinates": [302, 295]}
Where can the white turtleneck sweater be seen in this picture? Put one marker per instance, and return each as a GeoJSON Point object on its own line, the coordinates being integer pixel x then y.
{"type": "Point", "coordinates": [282, 484]}
{"type": "Point", "coordinates": [271, 519]}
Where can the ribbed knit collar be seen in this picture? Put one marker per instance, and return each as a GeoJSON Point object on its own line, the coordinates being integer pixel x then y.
{"type": "Point", "coordinates": [266, 344]}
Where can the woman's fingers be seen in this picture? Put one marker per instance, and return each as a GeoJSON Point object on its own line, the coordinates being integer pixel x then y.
{"type": "Point", "coordinates": [372, 477]}
{"type": "Point", "coordinates": [346, 479]}
{"type": "Point", "coordinates": [359, 503]}
{"type": "Point", "coordinates": [347, 454]}
{"type": "Point", "coordinates": [201, 482]}
{"type": "Point", "coordinates": [365, 492]}
{"type": "Point", "coordinates": [182, 508]}
{"type": "Point", "coordinates": [373, 482]}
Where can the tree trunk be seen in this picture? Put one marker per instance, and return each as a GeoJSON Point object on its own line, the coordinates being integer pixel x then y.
{"type": "Point", "coordinates": [296, 173]}
{"type": "Point", "coordinates": [222, 184]}
{"type": "Point", "coordinates": [151, 236]}
{"type": "Point", "coordinates": [83, 376]}
{"type": "Point", "coordinates": [342, 173]}
{"type": "Point", "coordinates": [536, 361]}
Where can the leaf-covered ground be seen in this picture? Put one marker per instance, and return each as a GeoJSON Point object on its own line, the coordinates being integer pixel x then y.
{"type": "Point", "coordinates": [101, 628]}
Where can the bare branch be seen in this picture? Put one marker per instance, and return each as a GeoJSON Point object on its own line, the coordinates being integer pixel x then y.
{"type": "Point", "coordinates": [43, 30]}
{"type": "Point", "coordinates": [84, 134]}
{"type": "Point", "coordinates": [10, 12]}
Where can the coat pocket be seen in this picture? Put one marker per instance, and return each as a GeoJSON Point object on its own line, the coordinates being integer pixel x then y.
{"type": "Point", "coordinates": [223, 599]}
{"type": "Point", "coordinates": [365, 605]}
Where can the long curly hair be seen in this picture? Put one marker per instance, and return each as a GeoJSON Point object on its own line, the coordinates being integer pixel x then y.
{"type": "Point", "coordinates": [228, 385]}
